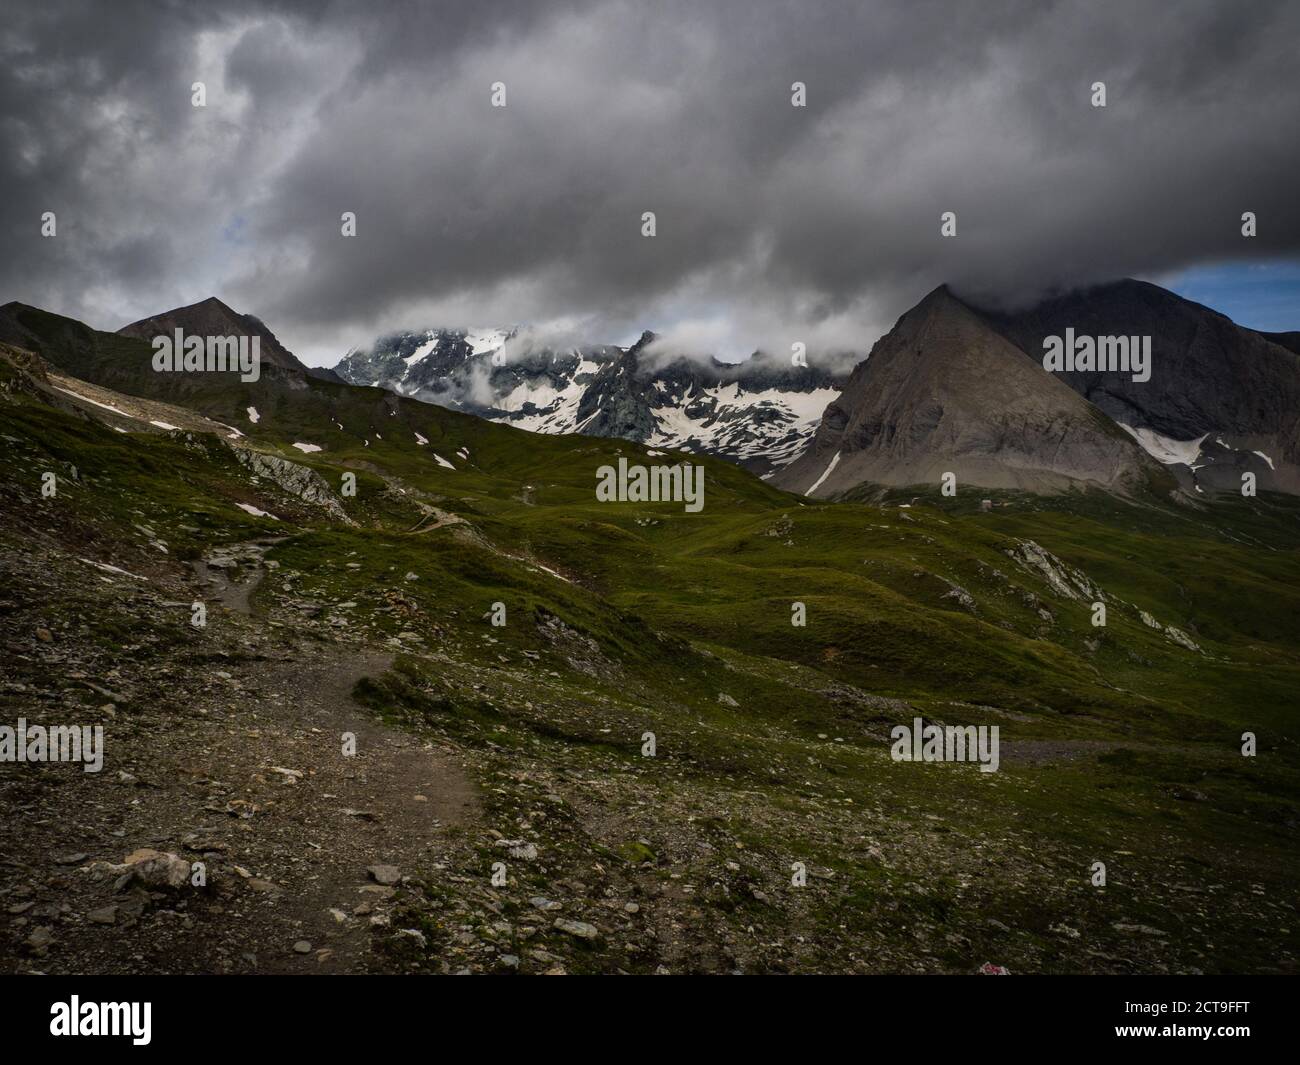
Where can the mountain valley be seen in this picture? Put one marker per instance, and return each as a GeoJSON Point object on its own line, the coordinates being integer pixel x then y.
{"type": "Point", "coordinates": [629, 771]}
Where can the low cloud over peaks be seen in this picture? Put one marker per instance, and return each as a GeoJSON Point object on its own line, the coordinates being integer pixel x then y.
{"type": "Point", "coordinates": [774, 224]}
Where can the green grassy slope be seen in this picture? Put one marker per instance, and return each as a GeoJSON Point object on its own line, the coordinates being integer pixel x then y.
{"type": "Point", "coordinates": [645, 616]}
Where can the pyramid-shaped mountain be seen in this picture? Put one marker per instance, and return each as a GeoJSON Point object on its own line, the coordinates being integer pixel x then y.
{"type": "Point", "coordinates": [943, 392]}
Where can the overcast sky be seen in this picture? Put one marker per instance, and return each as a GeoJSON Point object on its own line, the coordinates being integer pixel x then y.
{"type": "Point", "coordinates": [774, 223]}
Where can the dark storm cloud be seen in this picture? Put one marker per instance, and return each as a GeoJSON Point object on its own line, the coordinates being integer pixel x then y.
{"type": "Point", "coordinates": [774, 223]}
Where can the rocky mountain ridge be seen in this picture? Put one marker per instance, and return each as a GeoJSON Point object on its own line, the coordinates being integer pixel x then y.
{"type": "Point", "coordinates": [955, 388]}
{"type": "Point", "coordinates": [758, 413]}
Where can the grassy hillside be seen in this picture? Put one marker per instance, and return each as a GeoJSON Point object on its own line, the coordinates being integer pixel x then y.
{"type": "Point", "coordinates": [1119, 744]}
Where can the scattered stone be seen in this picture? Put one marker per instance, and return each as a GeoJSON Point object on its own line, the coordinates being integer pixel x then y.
{"type": "Point", "coordinates": [413, 934]}
{"type": "Point", "coordinates": [291, 776]}
{"type": "Point", "coordinates": [302, 947]}
{"type": "Point", "coordinates": [146, 866]}
{"type": "Point", "coordinates": [581, 929]}
{"type": "Point", "coordinates": [1142, 929]}
{"type": "Point", "coordinates": [385, 874]}
{"type": "Point", "coordinates": [364, 815]}
{"type": "Point", "coordinates": [39, 941]}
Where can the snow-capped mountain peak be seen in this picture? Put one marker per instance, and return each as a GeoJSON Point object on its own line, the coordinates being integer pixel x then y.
{"type": "Point", "coordinates": [759, 413]}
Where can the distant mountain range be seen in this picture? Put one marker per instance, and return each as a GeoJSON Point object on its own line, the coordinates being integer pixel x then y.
{"type": "Point", "coordinates": [952, 388]}
{"type": "Point", "coordinates": [760, 413]}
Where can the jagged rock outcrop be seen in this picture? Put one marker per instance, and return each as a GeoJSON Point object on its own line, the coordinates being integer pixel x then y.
{"type": "Point", "coordinates": [301, 482]}
{"type": "Point", "coordinates": [1061, 578]}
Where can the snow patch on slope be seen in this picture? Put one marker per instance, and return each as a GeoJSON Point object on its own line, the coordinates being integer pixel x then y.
{"type": "Point", "coordinates": [87, 399]}
{"type": "Point", "coordinates": [1164, 448]}
{"type": "Point", "coordinates": [835, 461]}
{"type": "Point", "coordinates": [485, 340]}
